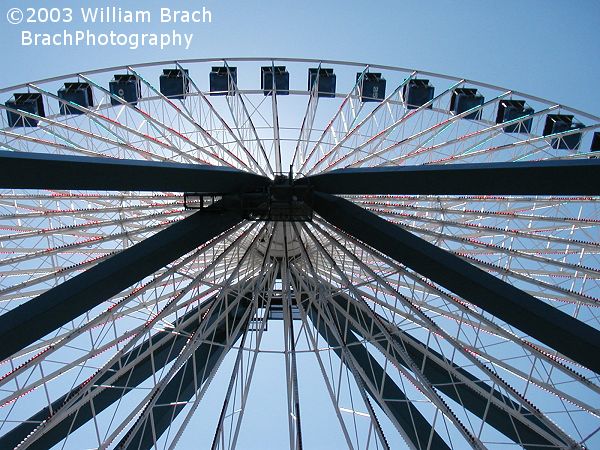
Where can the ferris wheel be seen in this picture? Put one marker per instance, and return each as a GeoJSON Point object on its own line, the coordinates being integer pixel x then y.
{"type": "Point", "coordinates": [272, 253]}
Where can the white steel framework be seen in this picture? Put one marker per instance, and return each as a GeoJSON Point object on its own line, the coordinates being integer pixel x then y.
{"type": "Point", "coordinates": [346, 346]}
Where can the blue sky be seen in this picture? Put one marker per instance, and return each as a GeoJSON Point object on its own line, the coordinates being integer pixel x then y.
{"type": "Point", "coordinates": [543, 48]}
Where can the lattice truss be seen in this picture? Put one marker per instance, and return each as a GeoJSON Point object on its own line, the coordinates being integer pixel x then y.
{"type": "Point", "coordinates": [443, 294]}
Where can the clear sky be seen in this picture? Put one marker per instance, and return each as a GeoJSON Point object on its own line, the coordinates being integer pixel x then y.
{"type": "Point", "coordinates": [546, 48]}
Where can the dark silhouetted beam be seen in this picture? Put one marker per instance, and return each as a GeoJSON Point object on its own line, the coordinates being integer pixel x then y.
{"type": "Point", "coordinates": [44, 171]}
{"type": "Point", "coordinates": [36, 318]}
{"type": "Point", "coordinates": [443, 379]}
{"type": "Point", "coordinates": [162, 353]}
{"type": "Point", "coordinates": [567, 335]}
{"type": "Point", "coordinates": [558, 177]}
{"type": "Point", "coordinates": [190, 377]}
{"type": "Point", "coordinates": [382, 388]}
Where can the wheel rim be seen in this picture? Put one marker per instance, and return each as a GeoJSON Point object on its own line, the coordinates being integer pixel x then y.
{"type": "Point", "coordinates": [546, 245]}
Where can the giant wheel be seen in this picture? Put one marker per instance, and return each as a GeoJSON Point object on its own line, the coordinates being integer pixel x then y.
{"type": "Point", "coordinates": [316, 254]}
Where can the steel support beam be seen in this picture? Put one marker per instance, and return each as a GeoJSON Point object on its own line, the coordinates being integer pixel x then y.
{"type": "Point", "coordinates": [164, 345]}
{"type": "Point", "coordinates": [198, 369]}
{"type": "Point", "coordinates": [380, 386]}
{"type": "Point", "coordinates": [555, 177]}
{"type": "Point", "coordinates": [567, 335]}
{"type": "Point", "coordinates": [36, 318]}
{"type": "Point", "coordinates": [47, 171]}
{"type": "Point", "coordinates": [445, 380]}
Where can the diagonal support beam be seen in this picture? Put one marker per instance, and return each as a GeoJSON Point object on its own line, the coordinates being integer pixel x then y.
{"type": "Point", "coordinates": [381, 387]}
{"type": "Point", "coordinates": [447, 377]}
{"type": "Point", "coordinates": [45, 171]}
{"type": "Point", "coordinates": [196, 371]}
{"type": "Point", "coordinates": [556, 177]}
{"type": "Point", "coordinates": [33, 320]}
{"type": "Point", "coordinates": [567, 335]}
{"type": "Point", "coordinates": [159, 350]}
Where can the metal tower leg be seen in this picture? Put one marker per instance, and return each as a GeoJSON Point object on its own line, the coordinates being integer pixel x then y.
{"type": "Point", "coordinates": [521, 426]}
{"type": "Point", "coordinates": [30, 321]}
{"type": "Point", "coordinates": [197, 370]}
{"type": "Point", "coordinates": [380, 386]}
{"type": "Point", "coordinates": [567, 335]}
{"type": "Point", "coordinates": [132, 368]}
